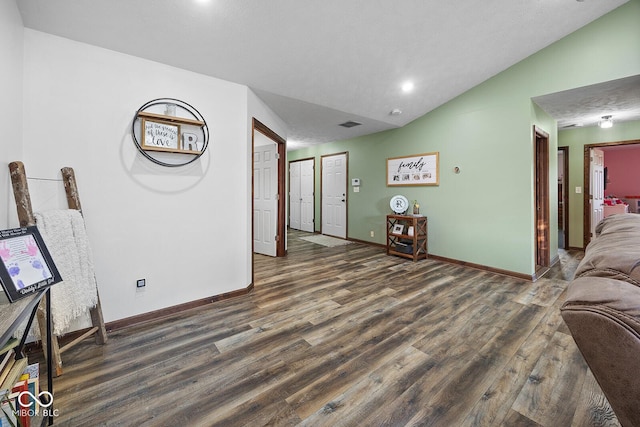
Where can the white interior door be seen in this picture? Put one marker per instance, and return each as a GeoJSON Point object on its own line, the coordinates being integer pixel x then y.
{"type": "Point", "coordinates": [295, 199]}
{"type": "Point", "coordinates": [596, 187]}
{"type": "Point", "coordinates": [265, 195]}
{"type": "Point", "coordinates": [307, 200]}
{"type": "Point", "coordinates": [301, 197]}
{"type": "Point", "coordinates": [334, 195]}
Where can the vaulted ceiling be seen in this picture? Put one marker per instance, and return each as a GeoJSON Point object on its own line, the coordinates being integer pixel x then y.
{"type": "Point", "coordinates": [321, 63]}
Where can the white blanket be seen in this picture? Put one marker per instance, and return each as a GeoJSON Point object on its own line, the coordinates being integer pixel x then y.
{"type": "Point", "coordinates": [64, 234]}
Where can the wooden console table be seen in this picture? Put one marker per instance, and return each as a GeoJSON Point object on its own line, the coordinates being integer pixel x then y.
{"type": "Point", "coordinates": [407, 236]}
{"type": "Point", "coordinates": [11, 317]}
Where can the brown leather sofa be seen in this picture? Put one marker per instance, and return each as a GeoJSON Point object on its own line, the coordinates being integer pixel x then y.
{"type": "Point", "coordinates": [602, 311]}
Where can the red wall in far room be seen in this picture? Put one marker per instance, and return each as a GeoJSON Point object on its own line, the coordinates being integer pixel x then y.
{"type": "Point", "coordinates": [623, 171]}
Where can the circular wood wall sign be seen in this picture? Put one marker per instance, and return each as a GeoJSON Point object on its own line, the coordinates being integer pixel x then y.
{"type": "Point", "coordinates": [170, 132]}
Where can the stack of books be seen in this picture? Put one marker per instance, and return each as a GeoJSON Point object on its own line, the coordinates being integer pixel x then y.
{"type": "Point", "coordinates": [17, 377]}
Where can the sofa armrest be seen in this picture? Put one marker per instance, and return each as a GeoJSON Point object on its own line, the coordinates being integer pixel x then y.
{"type": "Point", "coordinates": [603, 315]}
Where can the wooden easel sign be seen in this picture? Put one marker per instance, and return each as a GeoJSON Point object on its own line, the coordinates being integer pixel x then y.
{"type": "Point", "coordinates": [27, 266]}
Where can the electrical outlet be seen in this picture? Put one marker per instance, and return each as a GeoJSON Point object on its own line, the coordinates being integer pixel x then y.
{"type": "Point", "coordinates": [372, 233]}
{"type": "Point", "coordinates": [141, 283]}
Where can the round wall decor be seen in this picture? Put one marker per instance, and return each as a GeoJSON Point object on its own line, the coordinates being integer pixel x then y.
{"type": "Point", "coordinates": [399, 204]}
{"type": "Point", "coordinates": [170, 132]}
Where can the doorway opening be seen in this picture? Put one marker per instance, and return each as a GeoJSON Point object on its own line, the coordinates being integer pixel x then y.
{"type": "Point", "coordinates": [302, 194]}
{"type": "Point", "coordinates": [541, 218]}
{"type": "Point", "coordinates": [589, 185]}
{"type": "Point", "coordinates": [563, 197]}
{"type": "Point", "coordinates": [259, 130]}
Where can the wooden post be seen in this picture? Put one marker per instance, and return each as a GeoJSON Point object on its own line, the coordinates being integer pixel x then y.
{"type": "Point", "coordinates": [21, 194]}
{"type": "Point", "coordinates": [73, 201]}
{"type": "Point", "coordinates": [71, 188]}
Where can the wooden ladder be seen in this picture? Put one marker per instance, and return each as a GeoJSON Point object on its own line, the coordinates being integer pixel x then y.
{"type": "Point", "coordinates": [27, 218]}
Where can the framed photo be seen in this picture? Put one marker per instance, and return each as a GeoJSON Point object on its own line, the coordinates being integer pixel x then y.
{"type": "Point", "coordinates": [419, 169]}
{"type": "Point", "coordinates": [26, 266]}
{"type": "Point", "coordinates": [160, 136]}
{"type": "Point", "coordinates": [397, 229]}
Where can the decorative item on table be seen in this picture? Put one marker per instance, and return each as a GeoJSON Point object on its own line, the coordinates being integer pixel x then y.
{"type": "Point", "coordinates": [416, 207]}
{"type": "Point", "coordinates": [397, 229]}
{"type": "Point", "coordinates": [405, 248]}
{"type": "Point", "coordinates": [399, 204]}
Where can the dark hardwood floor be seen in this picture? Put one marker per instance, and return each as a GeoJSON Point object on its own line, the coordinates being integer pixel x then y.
{"type": "Point", "coordinates": [346, 336]}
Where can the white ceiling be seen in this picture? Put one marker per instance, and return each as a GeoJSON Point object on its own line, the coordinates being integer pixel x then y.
{"type": "Point", "coordinates": [585, 106]}
{"type": "Point", "coordinates": [320, 63]}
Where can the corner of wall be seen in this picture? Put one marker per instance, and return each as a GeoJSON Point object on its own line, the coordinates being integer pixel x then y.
{"type": "Point", "coordinates": [11, 82]}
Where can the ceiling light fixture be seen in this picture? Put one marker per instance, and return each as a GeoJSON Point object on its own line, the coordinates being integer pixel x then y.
{"type": "Point", "coordinates": [395, 112]}
{"type": "Point", "coordinates": [407, 87]}
{"type": "Point", "coordinates": [606, 122]}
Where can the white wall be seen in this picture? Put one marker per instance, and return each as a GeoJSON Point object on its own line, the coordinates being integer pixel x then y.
{"type": "Point", "coordinates": [186, 229]}
{"type": "Point", "coordinates": [259, 110]}
{"type": "Point", "coordinates": [11, 52]}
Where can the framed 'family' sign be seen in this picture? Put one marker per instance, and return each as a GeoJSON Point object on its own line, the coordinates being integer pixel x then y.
{"type": "Point", "coordinates": [419, 169]}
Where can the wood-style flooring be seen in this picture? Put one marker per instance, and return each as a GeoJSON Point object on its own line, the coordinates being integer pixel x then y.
{"type": "Point", "coordinates": [346, 336]}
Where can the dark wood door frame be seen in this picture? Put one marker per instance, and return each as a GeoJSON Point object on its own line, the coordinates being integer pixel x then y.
{"type": "Point", "coordinates": [281, 149]}
{"type": "Point", "coordinates": [565, 195]}
{"type": "Point", "coordinates": [541, 217]}
{"type": "Point", "coordinates": [586, 208]}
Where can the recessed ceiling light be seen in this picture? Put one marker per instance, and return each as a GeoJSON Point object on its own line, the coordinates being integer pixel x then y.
{"type": "Point", "coordinates": [407, 87]}
{"type": "Point", "coordinates": [395, 112]}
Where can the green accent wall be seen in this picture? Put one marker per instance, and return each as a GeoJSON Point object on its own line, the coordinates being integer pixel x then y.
{"type": "Point", "coordinates": [485, 214]}
{"type": "Point", "coordinates": [576, 139]}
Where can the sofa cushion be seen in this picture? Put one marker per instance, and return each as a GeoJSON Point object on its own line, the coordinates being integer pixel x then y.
{"type": "Point", "coordinates": [615, 250]}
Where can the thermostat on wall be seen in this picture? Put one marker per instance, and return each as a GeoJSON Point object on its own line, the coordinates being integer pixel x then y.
{"type": "Point", "coordinates": [355, 182]}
